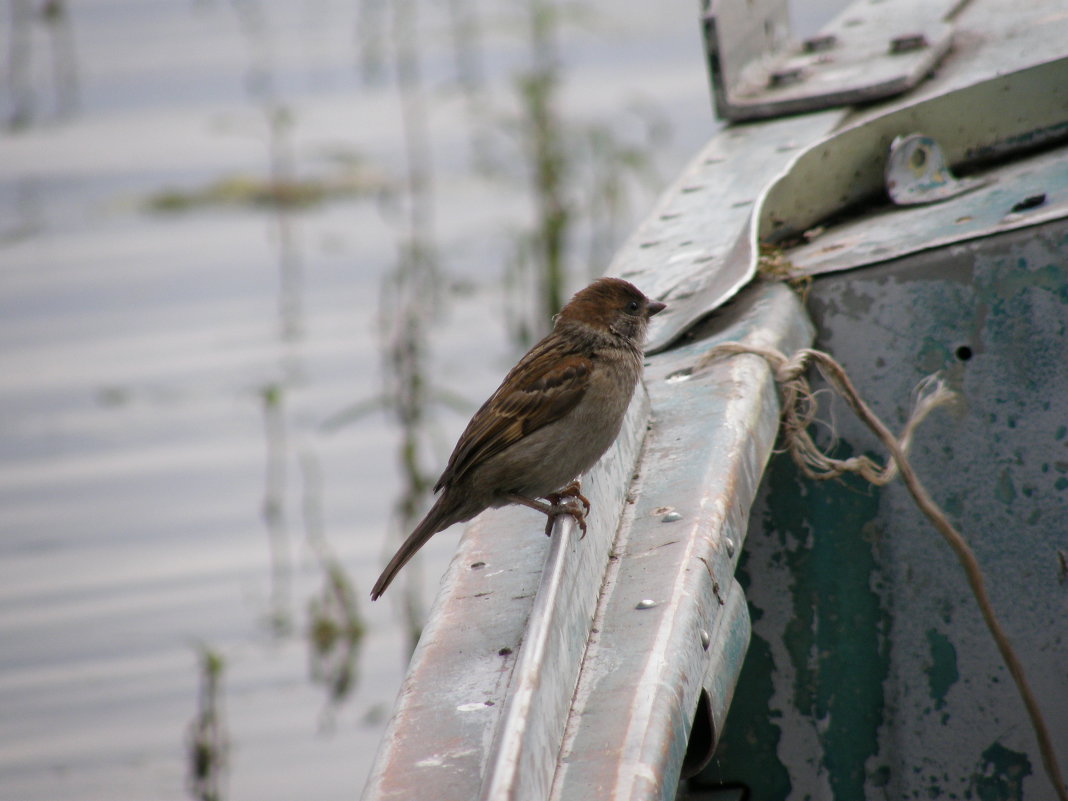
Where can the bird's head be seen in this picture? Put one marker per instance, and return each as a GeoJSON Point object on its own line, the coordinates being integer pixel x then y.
{"type": "Point", "coordinates": [613, 306]}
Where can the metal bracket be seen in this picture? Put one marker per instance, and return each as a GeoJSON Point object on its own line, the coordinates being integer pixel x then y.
{"type": "Point", "coordinates": [917, 173]}
{"type": "Point", "coordinates": [871, 51]}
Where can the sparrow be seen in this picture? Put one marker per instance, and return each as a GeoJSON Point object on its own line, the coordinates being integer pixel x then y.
{"type": "Point", "coordinates": [549, 421]}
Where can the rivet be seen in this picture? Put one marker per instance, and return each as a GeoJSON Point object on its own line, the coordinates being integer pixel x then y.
{"type": "Point", "coordinates": [671, 517]}
{"type": "Point", "coordinates": [645, 603]}
{"type": "Point", "coordinates": [728, 543]}
{"type": "Point", "coordinates": [706, 639]}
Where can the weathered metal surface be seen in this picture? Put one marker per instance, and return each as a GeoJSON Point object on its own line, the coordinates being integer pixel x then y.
{"type": "Point", "coordinates": [869, 52]}
{"type": "Point", "coordinates": [726, 647]}
{"type": "Point", "coordinates": [847, 168]}
{"type": "Point", "coordinates": [454, 724]}
{"type": "Point", "coordinates": [521, 762]}
{"type": "Point", "coordinates": [993, 37]}
{"type": "Point", "coordinates": [1020, 194]}
{"type": "Point", "coordinates": [669, 623]}
{"type": "Point", "coordinates": [1012, 50]}
{"type": "Point", "coordinates": [740, 36]}
{"type": "Point", "coordinates": [917, 173]}
{"type": "Point", "coordinates": [870, 673]}
{"type": "Point", "coordinates": [696, 249]}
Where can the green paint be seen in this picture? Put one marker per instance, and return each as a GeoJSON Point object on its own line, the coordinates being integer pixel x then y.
{"type": "Point", "coordinates": [1000, 774]}
{"type": "Point", "coordinates": [1004, 490]}
{"type": "Point", "coordinates": [880, 777]}
{"type": "Point", "coordinates": [953, 505]}
{"type": "Point", "coordinates": [747, 752]}
{"type": "Point", "coordinates": [837, 638]}
{"type": "Point", "coordinates": [997, 286]}
{"type": "Point", "coordinates": [942, 672]}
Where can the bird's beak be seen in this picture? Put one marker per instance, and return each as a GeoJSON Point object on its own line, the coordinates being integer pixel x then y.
{"type": "Point", "coordinates": [655, 307]}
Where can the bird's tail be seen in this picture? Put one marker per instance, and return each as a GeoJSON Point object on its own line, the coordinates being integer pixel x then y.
{"type": "Point", "coordinates": [441, 516]}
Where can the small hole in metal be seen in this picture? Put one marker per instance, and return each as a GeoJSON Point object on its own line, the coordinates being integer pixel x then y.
{"type": "Point", "coordinates": [964, 353]}
{"type": "Point", "coordinates": [478, 565]}
{"type": "Point", "coordinates": [1031, 202]}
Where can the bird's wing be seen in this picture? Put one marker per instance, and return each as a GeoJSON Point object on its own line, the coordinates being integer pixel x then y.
{"type": "Point", "coordinates": [542, 388]}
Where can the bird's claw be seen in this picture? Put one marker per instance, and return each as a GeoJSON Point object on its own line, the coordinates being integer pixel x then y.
{"type": "Point", "coordinates": [574, 490]}
{"type": "Point", "coordinates": [563, 503]}
{"type": "Point", "coordinates": [566, 508]}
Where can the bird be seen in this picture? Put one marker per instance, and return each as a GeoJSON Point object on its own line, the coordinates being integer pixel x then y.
{"type": "Point", "coordinates": [553, 416]}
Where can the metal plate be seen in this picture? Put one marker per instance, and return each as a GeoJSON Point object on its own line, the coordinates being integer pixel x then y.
{"type": "Point", "coordinates": [1003, 87]}
{"type": "Point", "coordinates": [1023, 193]}
{"type": "Point", "coordinates": [847, 168]}
{"type": "Point", "coordinates": [870, 673]}
{"type": "Point", "coordinates": [869, 52]}
{"type": "Point", "coordinates": [696, 249]}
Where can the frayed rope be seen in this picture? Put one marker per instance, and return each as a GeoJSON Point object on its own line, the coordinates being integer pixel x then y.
{"type": "Point", "coordinates": [799, 408]}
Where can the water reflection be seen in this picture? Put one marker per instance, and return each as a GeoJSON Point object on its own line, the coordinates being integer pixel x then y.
{"type": "Point", "coordinates": [208, 742]}
{"type": "Point", "coordinates": [29, 24]}
{"type": "Point", "coordinates": [166, 474]}
{"type": "Point", "coordinates": [273, 506]}
{"type": "Point", "coordinates": [335, 630]}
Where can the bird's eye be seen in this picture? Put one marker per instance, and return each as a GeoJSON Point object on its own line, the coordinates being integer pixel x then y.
{"type": "Point", "coordinates": [633, 306]}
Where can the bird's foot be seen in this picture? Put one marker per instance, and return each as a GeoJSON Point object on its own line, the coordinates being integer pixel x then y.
{"type": "Point", "coordinates": [572, 490]}
{"type": "Point", "coordinates": [566, 502]}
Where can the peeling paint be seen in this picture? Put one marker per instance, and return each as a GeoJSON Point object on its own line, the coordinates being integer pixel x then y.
{"type": "Point", "coordinates": [942, 671]}
{"type": "Point", "coordinates": [836, 638]}
{"type": "Point", "coordinates": [1005, 490]}
{"type": "Point", "coordinates": [1000, 774]}
{"type": "Point", "coordinates": [748, 751]}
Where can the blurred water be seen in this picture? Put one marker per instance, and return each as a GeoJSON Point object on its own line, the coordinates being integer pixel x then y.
{"type": "Point", "coordinates": [136, 349]}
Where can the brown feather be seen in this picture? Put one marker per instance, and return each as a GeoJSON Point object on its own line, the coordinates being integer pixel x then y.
{"type": "Point", "coordinates": [537, 391]}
